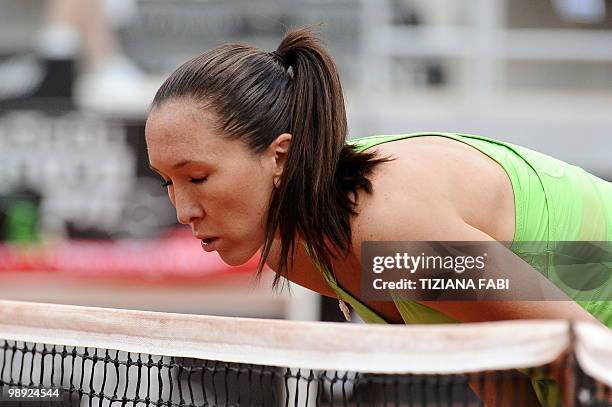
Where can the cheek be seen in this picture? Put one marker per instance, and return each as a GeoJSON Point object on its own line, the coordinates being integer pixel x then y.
{"type": "Point", "coordinates": [247, 204]}
{"type": "Point", "coordinates": [242, 208]}
{"type": "Point", "coordinates": [251, 201]}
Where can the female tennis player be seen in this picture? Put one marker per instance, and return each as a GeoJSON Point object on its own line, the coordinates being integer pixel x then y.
{"type": "Point", "coordinates": [252, 148]}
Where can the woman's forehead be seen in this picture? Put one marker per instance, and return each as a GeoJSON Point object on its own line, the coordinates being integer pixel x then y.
{"type": "Point", "coordinates": [181, 133]}
{"type": "Point", "coordinates": [181, 126]}
{"type": "Point", "coordinates": [176, 154]}
{"type": "Point", "coordinates": [179, 118]}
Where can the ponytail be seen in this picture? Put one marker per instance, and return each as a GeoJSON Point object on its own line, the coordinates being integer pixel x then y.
{"type": "Point", "coordinates": [312, 200]}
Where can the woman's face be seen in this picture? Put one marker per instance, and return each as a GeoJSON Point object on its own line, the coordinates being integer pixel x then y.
{"type": "Point", "coordinates": [218, 186]}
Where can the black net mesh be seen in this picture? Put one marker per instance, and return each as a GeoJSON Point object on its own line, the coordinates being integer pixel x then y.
{"type": "Point", "coordinates": [102, 377]}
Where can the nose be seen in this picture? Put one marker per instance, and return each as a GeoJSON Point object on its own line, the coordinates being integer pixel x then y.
{"type": "Point", "coordinates": [188, 210]}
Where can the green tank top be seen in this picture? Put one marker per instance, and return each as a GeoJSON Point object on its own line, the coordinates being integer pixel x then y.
{"type": "Point", "coordinates": [554, 202]}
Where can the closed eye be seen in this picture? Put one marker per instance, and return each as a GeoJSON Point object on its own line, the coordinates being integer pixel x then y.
{"type": "Point", "coordinates": [198, 180]}
{"type": "Point", "coordinates": [166, 184]}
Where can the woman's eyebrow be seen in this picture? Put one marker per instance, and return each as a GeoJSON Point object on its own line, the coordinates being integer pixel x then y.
{"type": "Point", "coordinates": [186, 162]}
{"type": "Point", "coordinates": [180, 164]}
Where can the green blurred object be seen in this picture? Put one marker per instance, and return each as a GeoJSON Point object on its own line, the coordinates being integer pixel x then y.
{"type": "Point", "coordinates": [19, 217]}
{"type": "Point", "coordinates": [22, 222]}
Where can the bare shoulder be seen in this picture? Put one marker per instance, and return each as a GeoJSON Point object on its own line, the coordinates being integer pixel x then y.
{"type": "Point", "coordinates": [433, 188]}
{"type": "Point", "coordinates": [406, 197]}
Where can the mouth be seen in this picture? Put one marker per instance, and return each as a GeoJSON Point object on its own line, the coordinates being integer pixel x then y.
{"type": "Point", "coordinates": [209, 243]}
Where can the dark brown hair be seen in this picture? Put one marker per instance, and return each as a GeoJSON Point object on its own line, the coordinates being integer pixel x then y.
{"type": "Point", "coordinates": [257, 96]}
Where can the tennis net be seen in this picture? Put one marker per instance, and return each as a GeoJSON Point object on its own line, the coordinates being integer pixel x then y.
{"type": "Point", "coordinates": [80, 356]}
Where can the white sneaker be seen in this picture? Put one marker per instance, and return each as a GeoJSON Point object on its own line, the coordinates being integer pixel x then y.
{"type": "Point", "coordinates": [118, 88]}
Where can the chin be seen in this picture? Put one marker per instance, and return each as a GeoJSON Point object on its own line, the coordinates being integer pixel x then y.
{"type": "Point", "coordinates": [235, 258]}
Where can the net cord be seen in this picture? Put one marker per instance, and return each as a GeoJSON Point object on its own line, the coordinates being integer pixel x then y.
{"type": "Point", "coordinates": [419, 349]}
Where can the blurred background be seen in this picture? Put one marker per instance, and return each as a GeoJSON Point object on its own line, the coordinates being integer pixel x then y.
{"type": "Point", "coordinates": [84, 221]}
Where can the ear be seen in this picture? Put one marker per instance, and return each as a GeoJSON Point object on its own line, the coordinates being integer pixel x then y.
{"type": "Point", "coordinates": [279, 151]}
